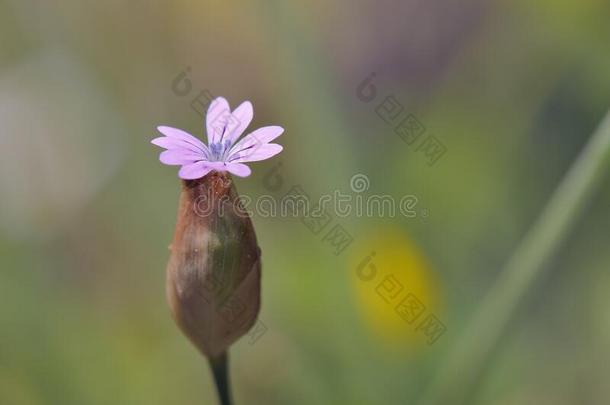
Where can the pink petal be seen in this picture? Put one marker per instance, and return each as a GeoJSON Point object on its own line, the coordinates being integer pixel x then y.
{"type": "Point", "coordinates": [178, 157]}
{"type": "Point", "coordinates": [173, 143]}
{"type": "Point", "coordinates": [256, 153]}
{"type": "Point", "coordinates": [194, 171]}
{"type": "Point", "coordinates": [238, 169]}
{"type": "Point", "coordinates": [216, 119]}
{"type": "Point", "coordinates": [220, 166]}
{"type": "Point", "coordinates": [239, 121]}
{"type": "Point", "coordinates": [259, 137]}
{"type": "Point", "coordinates": [176, 133]}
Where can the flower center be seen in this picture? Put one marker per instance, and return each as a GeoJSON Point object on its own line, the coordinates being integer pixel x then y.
{"type": "Point", "coordinates": [218, 149]}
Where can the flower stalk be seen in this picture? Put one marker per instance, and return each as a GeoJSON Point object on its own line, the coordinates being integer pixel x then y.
{"type": "Point", "coordinates": [220, 370]}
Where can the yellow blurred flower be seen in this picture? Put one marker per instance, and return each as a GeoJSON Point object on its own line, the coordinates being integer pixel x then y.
{"type": "Point", "coordinates": [397, 294]}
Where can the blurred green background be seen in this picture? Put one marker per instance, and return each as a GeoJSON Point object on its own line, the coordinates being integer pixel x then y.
{"type": "Point", "coordinates": [511, 89]}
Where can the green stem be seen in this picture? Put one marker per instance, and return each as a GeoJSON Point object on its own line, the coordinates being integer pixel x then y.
{"type": "Point", "coordinates": [220, 369]}
{"type": "Point", "coordinates": [463, 366]}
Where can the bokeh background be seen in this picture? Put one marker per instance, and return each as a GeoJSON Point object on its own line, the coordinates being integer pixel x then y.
{"type": "Point", "coordinates": [511, 89]}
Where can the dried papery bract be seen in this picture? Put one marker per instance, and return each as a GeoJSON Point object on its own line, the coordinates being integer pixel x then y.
{"type": "Point", "coordinates": [213, 275]}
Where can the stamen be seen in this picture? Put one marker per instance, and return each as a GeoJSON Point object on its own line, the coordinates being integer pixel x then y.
{"type": "Point", "coordinates": [216, 150]}
{"type": "Point", "coordinates": [226, 147]}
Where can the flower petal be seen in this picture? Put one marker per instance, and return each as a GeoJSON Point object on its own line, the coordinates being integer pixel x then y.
{"type": "Point", "coordinates": [239, 121]}
{"type": "Point", "coordinates": [194, 171]}
{"type": "Point", "coordinates": [216, 119]}
{"type": "Point", "coordinates": [179, 157]}
{"type": "Point", "coordinates": [173, 144]}
{"type": "Point", "coordinates": [238, 169]}
{"type": "Point", "coordinates": [176, 133]}
{"type": "Point", "coordinates": [258, 137]}
{"type": "Point", "coordinates": [220, 166]}
{"type": "Point", "coordinates": [256, 153]}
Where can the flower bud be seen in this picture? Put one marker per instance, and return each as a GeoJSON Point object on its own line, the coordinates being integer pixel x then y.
{"type": "Point", "coordinates": [213, 274]}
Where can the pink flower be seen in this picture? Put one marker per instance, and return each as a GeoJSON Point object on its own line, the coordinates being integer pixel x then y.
{"type": "Point", "coordinates": [223, 153]}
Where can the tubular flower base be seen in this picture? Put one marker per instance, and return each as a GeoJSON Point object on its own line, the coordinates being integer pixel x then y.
{"type": "Point", "coordinates": [213, 275]}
